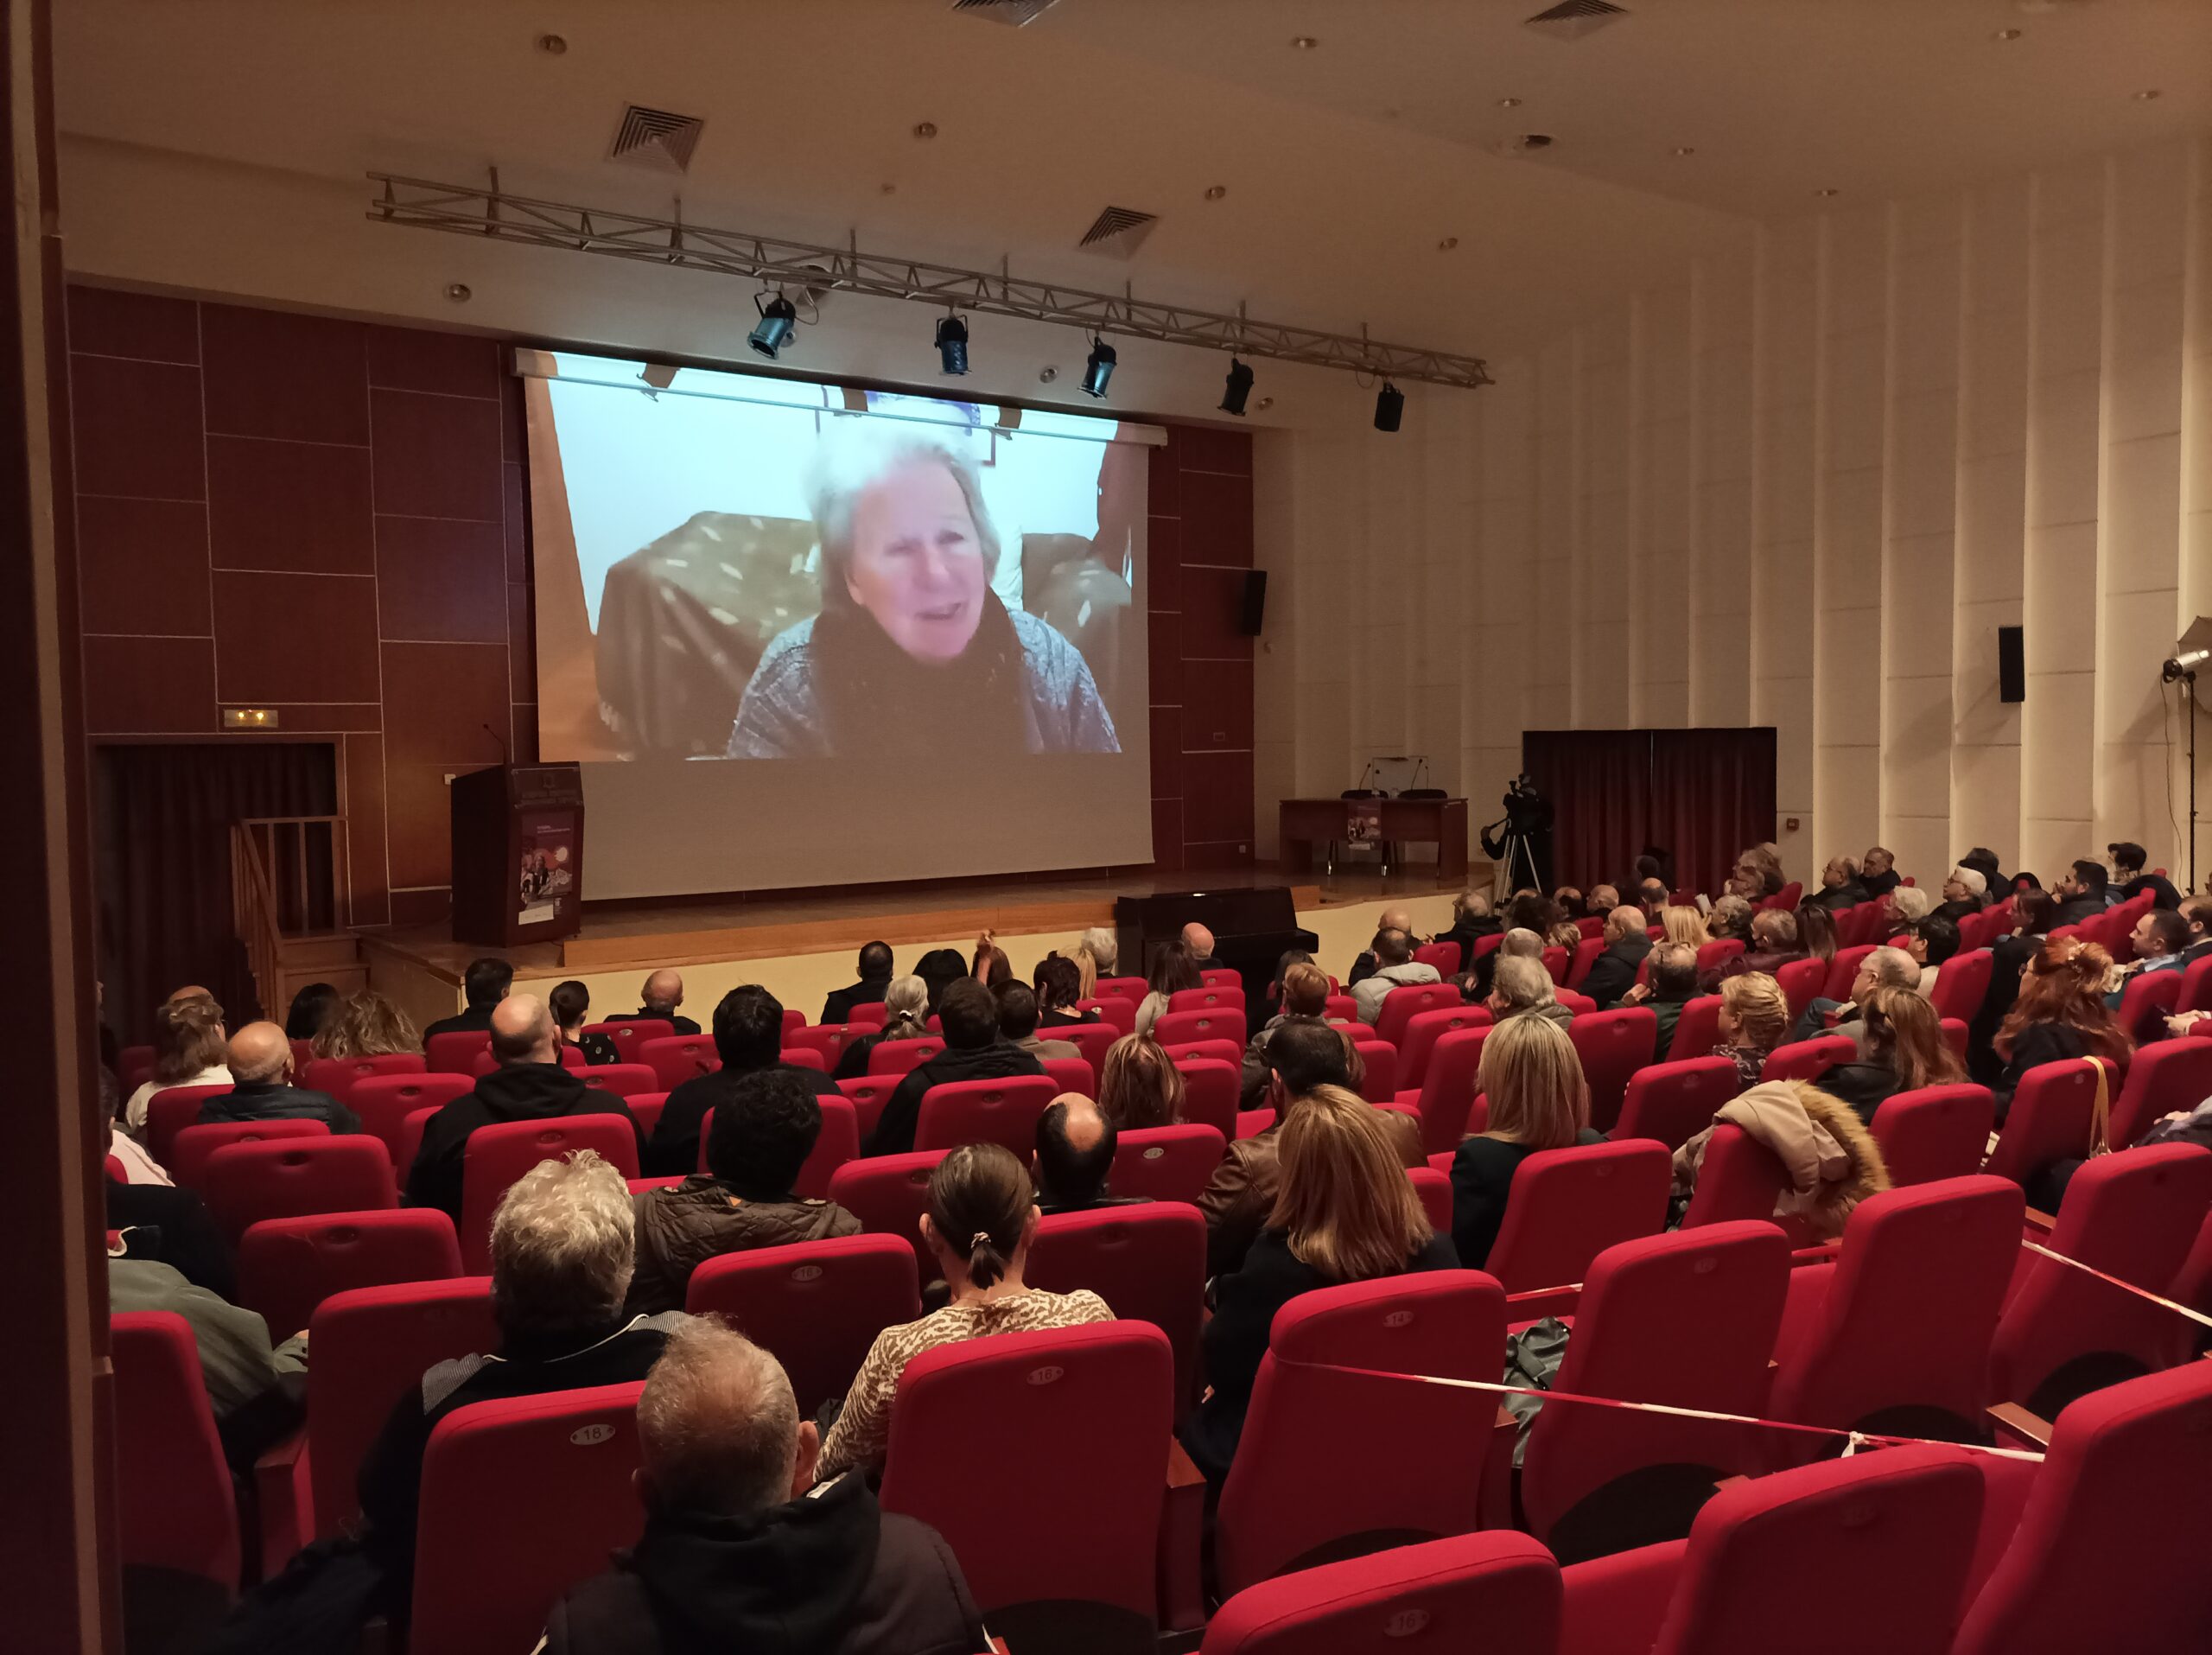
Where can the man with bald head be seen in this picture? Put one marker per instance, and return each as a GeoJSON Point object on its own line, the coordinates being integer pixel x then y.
{"type": "Point", "coordinates": [1367, 964]}
{"type": "Point", "coordinates": [1199, 941]}
{"type": "Point", "coordinates": [1885, 968]}
{"type": "Point", "coordinates": [1075, 1153]}
{"type": "Point", "coordinates": [260, 1061]}
{"type": "Point", "coordinates": [663, 994]}
{"type": "Point", "coordinates": [530, 1084]}
{"type": "Point", "coordinates": [1627, 942]}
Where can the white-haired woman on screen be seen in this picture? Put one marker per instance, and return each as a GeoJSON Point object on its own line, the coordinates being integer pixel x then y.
{"type": "Point", "coordinates": [911, 637]}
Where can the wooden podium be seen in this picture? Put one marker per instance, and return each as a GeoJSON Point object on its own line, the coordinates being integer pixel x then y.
{"type": "Point", "coordinates": [518, 854]}
{"type": "Point", "coordinates": [1305, 823]}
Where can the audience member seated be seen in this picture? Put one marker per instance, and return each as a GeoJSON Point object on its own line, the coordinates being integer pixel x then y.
{"type": "Point", "coordinates": [570, 1004]}
{"type": "Point", "coordinates": [1931, 942]}
{"type": "Point", "coordinates": [169, 1225]}
{"type": "Point", "coordinates": [1472, 920]}
{"type": "Point", "coordinates": [2197, 919]}
{"type": "Point", "coordinates": [261, 1090]}
{"type": "Point", "coordinates": [1305, 1000]}
{"type": "Point", "coordinates": [1058, 985]}
{"type": "Point", "coordinates": [905, 1017]}
{"type": "Point", "coordinates": [1903, 1050]}
{"type": "Point", "coordinates": [1018, 1024]}
{"type": "Point", "coordinates": [2081, 893]}
{"type": "Point", "coordinates": [1840, 886]}
{"type": "Point", "coordinates": [1302, 1058]}
{"type": "Point", "coordinates": [1075, 1153]}
{"type": "Point", "coordinates": [367, 1025]}
{"type": "Point", "coordinates": [483, 985]}
{"type": "Point", "coordinates": [139, 1164]}
{"type": "Point", "coordinates": [190, 1048]}
{"type": "Point", "coordinates": [990, 966]}
{"type": "Point", "coordinates": [1731, 919]}
{"type": "Point", "coordinates": [1096, 955]}
{"type": "Point", "coordinates": [749, 1040]}
{"type": "Point", "coordinates": [765, 1127]}
{"type": "Point", "coordinates": [1754, 1019]}
{"type": "Point", "coordinates": [1529, 912]}
{"type": "Point", "coordinates": [1365, 966]}
{"type": "Point", "coordinates": [940, 969]}
{"type": "Point", "coordinates": [2059, 1013]}
{"type": "Point", "coordinates": [1833, 1160]}
{"type": "Point", "coordinates": [1651, 896]}
{"type": "Point", "coordinates": [312, 1007]}
{"type": "Point", "coordinates": [1965, 891]}
{"type": "Point", "coordinates": [258, 1390]}
{"type": "Point", "coordinates": [973, 1051]}
{"type": "Point", "coordinates": [2127, 861]}
{"type": "Point", "coordinates": [1138, 1085]}
{"type": "Point", "coordinates": [530, 1084]}
{"type": "Point", "coordinates": [1346, 1212]}
{"type": "Point", "coordinates": [1908, 904]}
{"type": "Point", "coordinates": [1613, 973]}
{"type": "Point", "coordinates": [1772, 944]}
{"type": "Point", "coordinates": [980, 1220]}
{"type": "Point", "coordinates": [874, 980]}
{"type": "Point", "coordinates": [1570, 901]}
{"type": "Point", "coordinates": [1673, 984]}
{"type": "Point", "coordinates": [1983, 861]}
{"type": "Point", "coordinates": [1757, 874]}
{"type": "Point", "coordinates": [1523, 988]}
{"type": "Point", "coordinates": [1817, 931]}
{"type": "Point", "coordinates": [741, 1551]}
{"type": "Point", "coordinates": [1885, 968]}
{"type": "Point", "coordinates": [662, 994]}
{"type": "Point", "coordinates": [1199, 941]}
{"type": "Point", "coordinates": [2159, 940]}
{"type": "Point", "coordinates": [1678, 924]}
{"type": "Point", "coordinates": [1877, 872]}
{"type": "Point", "coordinates": [1602, 900]}
{"type": "Point", "coordinates": [1538, 1100]}
{"type": "Point", "coordinates": [1395, 968]}
{"type": "Point", "coordinates": [1175, 971]}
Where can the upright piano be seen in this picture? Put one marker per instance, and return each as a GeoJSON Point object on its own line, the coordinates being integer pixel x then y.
{"type": "Point", "coordinates": [1252, 929]}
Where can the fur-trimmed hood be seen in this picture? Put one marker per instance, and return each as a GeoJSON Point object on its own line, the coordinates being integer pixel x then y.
{"type": "Point", "coordinates": [1831, 1158]}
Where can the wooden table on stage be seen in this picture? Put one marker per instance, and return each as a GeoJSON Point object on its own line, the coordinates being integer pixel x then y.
{"type": "Point", "coordinates": [1305, 822]}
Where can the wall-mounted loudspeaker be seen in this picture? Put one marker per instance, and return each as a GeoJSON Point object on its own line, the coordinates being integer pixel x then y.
{"type": "Point", "coordinates": [2011, 664]}
{"type": "Point", "coordinates": [1255, 602]}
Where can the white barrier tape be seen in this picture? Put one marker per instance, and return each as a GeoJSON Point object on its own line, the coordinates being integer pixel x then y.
{"type": "Point", "coordinates": [2198, 1317]}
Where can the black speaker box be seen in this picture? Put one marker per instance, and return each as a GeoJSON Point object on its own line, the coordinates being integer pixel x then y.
{"type": "Point", "coordinates": [1255, 602]}
{"type": "Point", "coordinates": [2011, 664]}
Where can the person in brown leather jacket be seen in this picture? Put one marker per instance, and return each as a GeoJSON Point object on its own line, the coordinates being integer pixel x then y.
{"type": "Point", "coordinates": [1302, 1057]}
{"type": "Point", "coordinates": [758, 1141]}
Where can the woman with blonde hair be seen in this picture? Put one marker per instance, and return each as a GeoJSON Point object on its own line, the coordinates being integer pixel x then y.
{"type": "Point", "coordinates": [905, 1017]}
{"type": "Point", "coordinates": [1538, 1099]}
{"type": "Point", "coordinates": [1139, 1085]}
{"type": "Point", "coordinates": [1345, 1211]}
{"type": "Point", "coordinates": [367, 1025]}
{"type": "Point", "coordinates": [1754, 1019]}
{"type": "Point", "coordinates": [1683, 925]}
{"type": "Point", "coordinates": [1903, 1050]}
{"type": "Point", "coordinates": [1095, 953]}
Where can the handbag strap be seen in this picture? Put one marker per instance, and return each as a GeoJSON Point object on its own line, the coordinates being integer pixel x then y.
{"type": "Point", "coordinates": [2100, 1111]}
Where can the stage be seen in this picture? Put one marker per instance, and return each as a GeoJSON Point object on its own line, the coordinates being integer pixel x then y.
{"type": "Point", "coordinates": [801, 944]}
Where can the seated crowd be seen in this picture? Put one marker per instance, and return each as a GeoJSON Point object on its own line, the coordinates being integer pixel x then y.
{"type": "Point", "coordinates": [759, 1519]}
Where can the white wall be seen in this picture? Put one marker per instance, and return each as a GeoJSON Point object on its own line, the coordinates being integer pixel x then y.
{"type": "Point", "coordinates": [1801, 488]}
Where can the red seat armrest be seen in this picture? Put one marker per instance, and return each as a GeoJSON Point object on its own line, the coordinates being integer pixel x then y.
{"type": "Point", "coordinates": [1182, 1524]}
{"type": "Point", "coordinates": [284, 1492]}
{"type": "Point", "coordinates": [1615, 1605]}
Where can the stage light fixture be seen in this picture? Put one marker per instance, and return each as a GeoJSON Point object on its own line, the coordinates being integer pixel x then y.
{"type": "Point", "coordinates": [1389, 407]}
{"type": "Point", "coordinates": [952, 344]}
{"type": "Point", "coordinates": [1239, 387]}
{"type": "Point", "coordinates": [774, 329]}
{"type": "Point", "coordinates": [1098, 369]}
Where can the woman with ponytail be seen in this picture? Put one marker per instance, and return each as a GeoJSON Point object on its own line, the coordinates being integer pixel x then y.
{"type": "Point", "coordinates": [980, 1217]}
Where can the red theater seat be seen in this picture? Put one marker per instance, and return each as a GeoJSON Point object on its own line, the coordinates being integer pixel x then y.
{"type": "Point", "coordinates": [1131, 988]}
{"type": "Point", "coordinates": [169, 1111]}
{"type": "Point", "coordinates": [2145, 1004]}
{"type": "Point", "coordinates": [902, 1057]}
{"type": "Point", "coordinates": [1209, 1093]}
{"type": "Point", "coordinates": [498, 1154]}
{"type": "Point", "coordinates": [644, 1108]}
{"type": "Point", "coordinates": [1843, 968]}
{"type": "Point", "coordinates": [631, 1033]}
{"type": "Point", "coordinates": [1613, 1046]}
{"type": "Point", "coordinates": [1423, 1030]}
{"type": "Point", "coordinates": [173, 1506]}
{"type": "Point", "coordinates": [1094, 1040]}
{"type": "Point", "coordinates": [187, 1161]}
{"type": "Point", "coordinates": [625, 1081]}
{"type": "Point", "coordinates": [340, 1076]}
{"type": "Point", "coordinates": [289, 1266]}
{"type": "Point", "coordinates": [1444, 956]}
{"type": "Point", "coordinates": [1210, 1023]}
{"type": "Point", "coordinates": [1672, 1103]}
{"type": "Point", "coordinates": [2052, 1118]}
{"type": "Point", "coordinates": [571, 1057]}
{"type": "Point", "coordinates": [874, 1014]}
{"type": "Point", "coordinates": [1739, 1179]}
{"type": "Point", "coordinates": [1963, 984]}
{"type": "Point", "coordinates": [1380, 1060]}
{"type": "Point", "coordinates": [455, 1052]}
{"type": "Point", "coordinates": [1434, 1189]}
{"type": "Point", "coordinates": [1166, 1163]}
{"type": "Point", "coordinates": [1807, 1059]}
{"type": "Point", "coordinates": [827, 1041]}
{"type": "Point", "coordinates": [522, 1499]}
{"type": "Point", "coordinates": [1697, 1030]}
{"type": "Point", "coordinates": [888, 1194]}
{"type": "Point", "coordinates": [283, 1178]}
{"type": "Point", "coordinates": [1071, 1074]}
{"type": "Point", "coordinates": [1225, 997]}
{"type": "Point", "coordinates": [1714, 955]}
{"type": "Point", "coordinates": [1801, 982]}
{"type": "Point", "coordinates": [1402, 1005]}
{"type": "Point", "coordinates": [1221, 976]}
{"type": "Point", "coordinates": [384, 1101]}
{"type": "Point", "coordinates": [1003, 1112]}
{"type": "Point", "coordinates": [1935, 1132]}
{"type": "Point", "coordinates": [134, 1067]}
{"type": "Point", "coordinates": [2164, 1077]}
{"type": "Point", "coordinates": [1568, 1206]}
{"type": "Point", "coordinates": [1113, 1009]}
{"type": "Point", "coordinates": [676, 1058]}
{"type": "Point", "coordinates": [868, 1094]}
{"type": "Point", "coordinates": [816, 1306]}
{"type": "Point", "coordinates": [1446, 1093]}
{"type": "Point", "coordinates": [1340, 1009]}
{"type": "Point", "coordinates": [803, 1057]}
{"type": "Point", "coordinates": [1585, 956]}
{"type": "Point", "coordinates": [1147, 1263]}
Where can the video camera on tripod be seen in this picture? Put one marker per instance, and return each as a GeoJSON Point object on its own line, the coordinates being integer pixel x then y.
{"type": "Point", "coordinates": [1511, 841]}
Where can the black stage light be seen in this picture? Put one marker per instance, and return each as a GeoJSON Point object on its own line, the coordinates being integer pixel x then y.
{"type": "Point", "coordinates": [1238, 387]}
{"type": "Point", "coordinates": [1098, 369]}
{"type": "Point", "coordinates": [1389, 407]}
{"type": "Point", "coordinates": [773, 331]}
{"type": "Point", "coordinates": [952, 344]}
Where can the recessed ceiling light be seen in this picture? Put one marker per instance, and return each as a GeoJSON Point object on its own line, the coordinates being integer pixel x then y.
{"type": "Point", "coordinates": [457, 292]}
{"type": "Point", "coordinates": [1509, 103]}
{"type": "Point", "coordinates": [888, 188]}
{"type": "Point", "coordinates": [1447, 243]}
{"type": "Point", "coordinates": [1046, 374]}
{"type": "Point", "coordinates": [2146, 95]}
{"type": "Point", "coordinates": [1304, 43]}
{"type": "Point", "coordinates": [2005, 36]}
{"type": "Point", "coordinates": [1215, 192]}
{"type": "Point", "coordinates": [1264, 404]}
{"type": "Point", "coordinates": [1828, 190]}
{"type": "Point", "coordinates": [1684, 150]}
{"type": "Point", "coordinates": [552, 45]}
{"type": "Point", "coordinates": [925, 129]}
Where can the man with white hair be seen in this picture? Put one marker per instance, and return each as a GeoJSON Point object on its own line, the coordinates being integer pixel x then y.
{"type": "Point", "coordinates": [530, 1084]}
{"type": "Point", "coordinates": [1523, 988]}
{"type": "Point", "coordinates": [1627, 941]}
{"type": "Point", "coordinates": [739, 1550]}
{"type": "Point", "coordinates": [662, 995]}
{"type": "Point", "coordinates": [1885, 968]}
{"type": "Point", "coordinates": [1966, 891]}
{"type": "Point", "coordinates": [1471, 920]}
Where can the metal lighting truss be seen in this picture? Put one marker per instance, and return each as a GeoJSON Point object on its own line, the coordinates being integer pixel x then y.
{"type": "Point", "coordinates": [462, 209]}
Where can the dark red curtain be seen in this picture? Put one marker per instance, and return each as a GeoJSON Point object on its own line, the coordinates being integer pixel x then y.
{"type": "Point", "coordinates": [1702, 795]}
{"type": "Point", "coordinates": [162, 816]}
{"type": "Point", "coordinates": [1712, 794]}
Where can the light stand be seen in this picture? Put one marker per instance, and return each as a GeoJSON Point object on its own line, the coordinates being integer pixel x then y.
{"type": "Point", "coordinates": [2182, 670]}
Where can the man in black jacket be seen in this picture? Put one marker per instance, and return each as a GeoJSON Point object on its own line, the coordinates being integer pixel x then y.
{"type": "Point", "coordinates": [1878, 873]}
{"type": "Point", "coordinates": [1840, 886]}
{"type": "Point", "coordinates": [2127, 860]}
{"type": "Point", "coordinates": [875, 978]}
{"type": "Point", "coordinates": [741, 1551]}
{"type": "Point", "coordinates": [484, 984]}
{"type": "Point", "coordinates": [1075, 1153]}
{"type": "Point", "coordinates": [973, 1051]}
{"type": "Point", "coordinates": [663, 994]}
{"type": "Point", "coordinates": [1613, 973]}
{"type": "Point", "coordinates": [749, 1040]}
{"type": "Point", "coordinates": [2081, 893]}
{"type": "Point", "coordinates": [261, 1068]}
{"type": "Point", "coordinates": [530, 1084]}
{"type": "Point", "coordinates": [1471, 920]}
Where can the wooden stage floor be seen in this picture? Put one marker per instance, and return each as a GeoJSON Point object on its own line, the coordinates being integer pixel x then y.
{"type": "Point", "coordinates": [681, 931]}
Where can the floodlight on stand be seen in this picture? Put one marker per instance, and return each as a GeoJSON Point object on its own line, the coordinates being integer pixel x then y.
{"type": "Point", "coordinates": [1236, 388]}
{"type": "Point", "coordinates": [952, 344]}
{"type": "Point", "coordinates": [774, 329]}
{"type": "Point", "coordinates": [1098, 369]}
{"type": "Point", "coordinates": [1389, 407]}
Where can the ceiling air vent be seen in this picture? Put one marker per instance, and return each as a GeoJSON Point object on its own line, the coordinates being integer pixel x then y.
{"type": "Point", "coordinates": [1013, 13]}
{"type": "Point", "coordinates": [1118, 232]}
{"type": "Point", "coordinates": [655, 139]}
{"type": "Point", "coordinates": [1571, 19]}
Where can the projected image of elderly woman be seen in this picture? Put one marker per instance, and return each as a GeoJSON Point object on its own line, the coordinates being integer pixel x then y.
{"type": "Point", "coordinates": [912, 638]}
